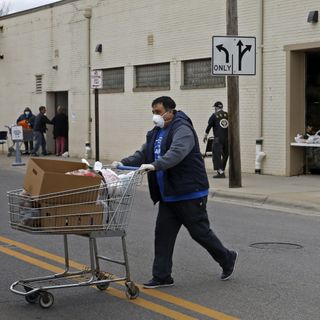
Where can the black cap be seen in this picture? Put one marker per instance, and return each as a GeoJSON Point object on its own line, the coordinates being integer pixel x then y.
{"type": "Point", "coordinates": [218, 104]}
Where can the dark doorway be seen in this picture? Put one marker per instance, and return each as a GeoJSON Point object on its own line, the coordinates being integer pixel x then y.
{"type": "Point", "coordinates": [312, 119]}
{"type": "Point", "coordinates": [55, 99]}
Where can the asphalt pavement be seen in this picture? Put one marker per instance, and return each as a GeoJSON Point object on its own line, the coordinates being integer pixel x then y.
{"type": "Point", "coordinates": [296, 194]}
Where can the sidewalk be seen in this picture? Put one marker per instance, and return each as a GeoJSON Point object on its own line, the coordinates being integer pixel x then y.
{"type": "Point", "coordinates": [297, 194]}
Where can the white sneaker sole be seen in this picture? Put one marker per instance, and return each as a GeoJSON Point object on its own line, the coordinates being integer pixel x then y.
{"type": "Point", "coordinates": [158, 286]}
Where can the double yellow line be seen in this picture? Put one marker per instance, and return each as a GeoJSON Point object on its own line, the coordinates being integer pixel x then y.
{"type": "Point", "coordinates": [172, 314]}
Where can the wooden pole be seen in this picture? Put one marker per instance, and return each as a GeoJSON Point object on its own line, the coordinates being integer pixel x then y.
{"type": "Point", "coordinates": [233, 106]}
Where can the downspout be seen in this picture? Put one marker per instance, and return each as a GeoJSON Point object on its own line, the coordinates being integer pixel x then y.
{"type": "Point", "coordinates": [88, 14]}
{"type": "Point", "coordinates": [260, 155]}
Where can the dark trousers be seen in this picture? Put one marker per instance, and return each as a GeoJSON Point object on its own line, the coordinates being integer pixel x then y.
{"type": "Point", "coordinates": [220, 153]}
{"type": "Point", "coordinates": [40, 141]}
{"type": "Point", "coordinates": [193, 215]}
{"type": "Point", "coordinates": [26, 146]}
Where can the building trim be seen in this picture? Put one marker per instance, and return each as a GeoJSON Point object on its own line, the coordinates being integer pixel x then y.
{"type": "Point", "coordinates": [40, 8]}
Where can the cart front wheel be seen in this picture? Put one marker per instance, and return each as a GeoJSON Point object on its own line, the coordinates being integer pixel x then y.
{"type": "Point", "coordinates": [102, 286]}
{"type": "Point", "coordinates": [132, 293]}
{"type": "Point", "coordinates": [32, 298]}
{"type": "Point", "coordinates": [46, 300]}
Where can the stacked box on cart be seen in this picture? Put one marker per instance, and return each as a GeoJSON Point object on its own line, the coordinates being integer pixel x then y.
{"type": "Point", "coordinates": [72, 216]}
{"type": "Point", "coordinates": [44, 176]}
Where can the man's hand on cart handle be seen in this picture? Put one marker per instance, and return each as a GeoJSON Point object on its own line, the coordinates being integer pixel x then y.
{"type": "Point", "coordinates": [205, 138]}
{"type": "Point", "coordinates": [147, 167]}
{"type": "Point", "coordinates": [116, 164]}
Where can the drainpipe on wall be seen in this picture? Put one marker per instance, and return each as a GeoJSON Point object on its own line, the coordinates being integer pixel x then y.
{"type": "Point", "coordinates": [88, 14]}
{"type": "Point", "coordinates": [260, 155]}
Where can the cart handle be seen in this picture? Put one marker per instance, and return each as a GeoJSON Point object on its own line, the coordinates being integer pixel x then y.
{"type": "Point", "coordinates": [127, 168]}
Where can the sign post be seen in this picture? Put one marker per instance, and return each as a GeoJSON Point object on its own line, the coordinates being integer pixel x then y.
{"type": "Point", "coordinates": [233, 106]}
{"type": "Point", "coordinates": [96, 84]}
{"type": "Point", "coordinates": [17, 138]}
{"type": "Point", "coordinates": [233, 56]}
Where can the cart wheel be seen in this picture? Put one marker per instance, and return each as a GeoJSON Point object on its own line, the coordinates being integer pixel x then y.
{"type": "Point", "coordinates": [132, 293]}
{"type": "Point", "coordinates": [32, 298]}
{"type": "Point", "coordinates": [103, 286]}
{"type": "Point", "coordinates": [46, 300]}
{"type": "Point", "coordinates": [103, 276]}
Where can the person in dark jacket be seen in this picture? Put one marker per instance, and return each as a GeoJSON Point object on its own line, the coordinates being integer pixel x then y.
{"type": "Point", "coordinates": [26, 120]}
{"type": "Point", "coordinates": [39, 129]}
{"type": "Point", "coordinates": [178, 181]}
{"type": "Point", "coordinates": [220, 152]}
{"type": "Point", "coordinates": [60, 130]}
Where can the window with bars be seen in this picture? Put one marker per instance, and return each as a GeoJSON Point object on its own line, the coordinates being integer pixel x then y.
{"type": "Point", "coordinates": [152, 77]}
{"type": "Point", "coordinates": [38, 83]}
{"type": "Point", "coordinates": [197, 75]}
{"type": "Point", "coordinates": [113, 80]}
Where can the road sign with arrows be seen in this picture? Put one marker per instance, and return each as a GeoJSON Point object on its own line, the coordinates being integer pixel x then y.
{"type": "Point", "coordinates": [233, 55]}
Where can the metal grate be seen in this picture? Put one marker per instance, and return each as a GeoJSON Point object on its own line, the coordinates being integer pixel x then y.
{"type": "Point", "coordinates": [153, 75]}
{"type": "Point", "coordinates": [38, 83]}
{"type": "Point", "coordinates": [113, 79]}
{"type": "Point", "coordinates": [197, 73]}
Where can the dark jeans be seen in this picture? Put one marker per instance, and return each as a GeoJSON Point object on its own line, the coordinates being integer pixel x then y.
{"type": "Point", "coordinates": [28, 146]}
{"type": "Point", "coordinates": [193, 215]}
{"type": "Point", "coordinates": [40, 141]}
{"type": "Point", "coordinates": [220, 153]}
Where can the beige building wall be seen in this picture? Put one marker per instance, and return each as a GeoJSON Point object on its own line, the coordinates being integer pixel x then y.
{"type": "Point", "coordinates": [57, 35]}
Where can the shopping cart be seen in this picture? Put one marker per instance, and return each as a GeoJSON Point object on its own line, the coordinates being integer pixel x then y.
{"type": "Point", "coordinates": [208, 151]}
{"type": "Point", "coordinates": [92, 212]}
{"type": "Point", "coordinates": [11, 148]}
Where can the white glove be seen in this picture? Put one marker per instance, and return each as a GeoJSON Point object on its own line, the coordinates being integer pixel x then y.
{"type": "Point", "coordinates": [116, 164]}
{"type": "Point", "coordinates": [205, 138]}
{"type": "Point", "coordinates": [147, 167]}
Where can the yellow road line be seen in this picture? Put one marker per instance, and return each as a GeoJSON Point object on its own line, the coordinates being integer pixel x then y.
{"type": "Point", "coordinates": [42, 253]}
{"type": "Point", "coordinates": [114, 292]}
{"type": "Point", "coordinates": [187, 304]}
{"type": "Point", "coordinates": [151, 292]}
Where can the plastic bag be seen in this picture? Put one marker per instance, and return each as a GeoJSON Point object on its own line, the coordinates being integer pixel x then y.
{"type": "Point", "coordinates": [314, 138]}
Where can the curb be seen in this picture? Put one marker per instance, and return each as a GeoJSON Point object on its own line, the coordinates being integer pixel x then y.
{"type": "Point", "coordinates": [266, 201]}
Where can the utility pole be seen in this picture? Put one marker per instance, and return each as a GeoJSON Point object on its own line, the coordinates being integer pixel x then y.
{"type": "Point", "coordinates": [233, 106]}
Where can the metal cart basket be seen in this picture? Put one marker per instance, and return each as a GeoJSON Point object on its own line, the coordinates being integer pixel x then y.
{"type": "Point", "coordinates": [92, 212]}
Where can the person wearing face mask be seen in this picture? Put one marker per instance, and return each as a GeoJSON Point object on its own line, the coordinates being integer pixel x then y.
{"type": "Point", "coordinates": [26, 120]}
{"type": "Point", "coordinates": [39, 129]}
{"type": "Point", "coordinates": [178, 182]}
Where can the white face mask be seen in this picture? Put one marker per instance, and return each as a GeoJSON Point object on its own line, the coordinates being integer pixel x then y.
{"type": "Point", "coordinates": [158, 120]}
{"type": "Point", "coordinates": [27, 113]}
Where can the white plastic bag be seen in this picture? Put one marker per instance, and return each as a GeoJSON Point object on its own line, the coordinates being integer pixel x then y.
{"type": "Point", "coordinates": [314, 138]}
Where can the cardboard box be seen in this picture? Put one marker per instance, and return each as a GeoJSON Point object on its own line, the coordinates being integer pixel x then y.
{"type": "Point", "coordinates": [45, 176]}
{"type": "Point", "coordinates": [72, 217]}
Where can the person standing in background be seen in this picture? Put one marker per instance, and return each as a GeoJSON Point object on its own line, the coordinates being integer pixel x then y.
{"type": "Point", "coordinates": [26, 120]}
{"type": "Point", "coordinates": [220, 152]}
{"type": "Point", "coordinates": [39, 129]}
{"type": "Point", "coordinates": [60, 130]}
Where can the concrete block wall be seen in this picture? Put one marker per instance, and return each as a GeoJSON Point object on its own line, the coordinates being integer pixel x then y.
{"type": "Point", "coordinates": [58, 35]}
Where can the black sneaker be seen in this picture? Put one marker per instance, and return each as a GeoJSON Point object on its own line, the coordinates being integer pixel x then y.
{"type": "Point", "coordinates": [158, 284]}
{"type": "Point", "coordinates": [227, 272]}
{"type": "Point", "coordinates": [219, 175]}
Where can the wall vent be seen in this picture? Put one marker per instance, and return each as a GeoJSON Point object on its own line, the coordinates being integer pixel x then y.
{"type": "Point", "coordinates": [38, 83]}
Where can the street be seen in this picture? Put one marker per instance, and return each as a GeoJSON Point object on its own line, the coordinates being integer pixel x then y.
{"type": "Point", "coordinates": [277, 274]}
